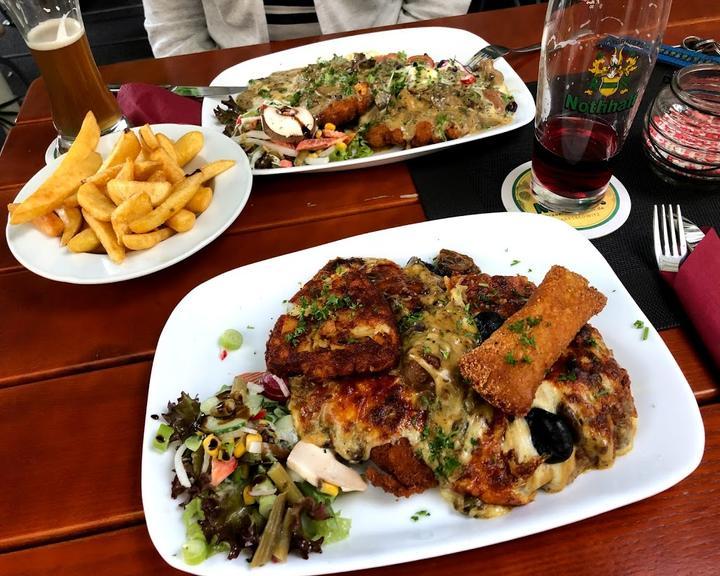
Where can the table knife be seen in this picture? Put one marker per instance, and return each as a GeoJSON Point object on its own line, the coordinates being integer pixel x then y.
{"type": "Point", "coordinates": [193, 91]}
{"type": "Point", "coordinates": [693, 234]}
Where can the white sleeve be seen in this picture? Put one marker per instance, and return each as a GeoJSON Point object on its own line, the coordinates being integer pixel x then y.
{"type": "Point", "coordinates": [176, 27]}
{"type": "Point", "coordinates": [414, 10]}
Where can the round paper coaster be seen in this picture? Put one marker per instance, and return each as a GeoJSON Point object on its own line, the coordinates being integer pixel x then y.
{"type": "Point", "coordinates": [602, 219]}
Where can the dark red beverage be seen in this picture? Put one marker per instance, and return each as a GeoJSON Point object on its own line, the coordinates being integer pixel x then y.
{"type": "Point", "coordinates": [571, 159]}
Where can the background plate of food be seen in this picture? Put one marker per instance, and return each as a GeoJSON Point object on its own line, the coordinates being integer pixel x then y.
{"type": "Point", "coordinates": [125, 205]}
{"type": "Point", "coordinates": [668, 438]}
{"type": "Point", "coordinates": [367, 100]}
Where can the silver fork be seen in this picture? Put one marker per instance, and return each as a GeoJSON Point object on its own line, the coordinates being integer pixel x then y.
{"type": "Point", "coordinates": [673, 249]}
{"type": "Point", "coordinates": [495, 51]}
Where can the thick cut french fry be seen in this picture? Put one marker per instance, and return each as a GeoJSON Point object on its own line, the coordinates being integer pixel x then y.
{"type": "Point", "coordinates": [145, 168]}
{"type": "Point", "coordinates": [49, 224]}
{"type": "Point", "coordinates": [71, 201]}
{"type": "Point", "coordinates": [158, 176]}
{"type": "Point", "coordinates": [72, 217]}
{"type": "Point", "coordinates": [181, 221]}
{"type": "Point", "coordinates": [84, 241]}
{"type": "Point", "coordinates": [148, 240]}
{"type": "Point", "coordinates": [170, 167]}
{"type": "Point", "coordinates": [93, 201]}
{"type": "Point", "coordinates": [131, 209]}
{"type": "Point", "coordinates": [62, 183]}
{"type": "Point", "coordinates": [201, 200]}
{"type": "Point", "coordinates": [106, 235]}
{"type": "Point", "coordinates": [103, 176]}
{"type": "Point", "coordinates": [127, 172]}
{"type": "Point", "coordinates": [167, 145]}
{"type": "Point", "coordinates": [120, 190]}
{"type": "Point", "coordinates": [148, 137]}
{"type": "Point", "coordinates": [188, 146]}
{"type": "Point", "coordinates": [127, 147]}
{"type": "Point", "coordinates": [212, 169]}
{"type": "Point", "coordinates": [179, 196]}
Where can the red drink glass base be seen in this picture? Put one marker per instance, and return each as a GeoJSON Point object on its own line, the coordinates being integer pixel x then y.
{"type": "Point", "coordinates": [571, 162]}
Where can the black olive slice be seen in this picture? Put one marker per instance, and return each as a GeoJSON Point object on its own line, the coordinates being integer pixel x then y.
{"type": "Point", "coordinates": [487, 323]}
{"type": "Point", "coordinates": [551, 435]}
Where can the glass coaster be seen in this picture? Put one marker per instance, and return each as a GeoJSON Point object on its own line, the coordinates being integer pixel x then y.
{"type": "Point", "coordinates": [602, 219]}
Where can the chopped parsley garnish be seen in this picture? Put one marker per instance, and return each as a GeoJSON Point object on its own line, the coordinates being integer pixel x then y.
{"type": "Point", "coordinates": [510, 359]}
{"type": "Point", "coordinates": [319, 312]}
{"type": "Point", "coordinates": [514, 262]}
{"type": "Point", "coordinates": [441, 446]}
{"type": "Point", "coordinates": [645, 333]}
{"type": "Point", "coordinates": [409, 321]}
{"type": "Point", "coordinates": [264, 93]}
{"type": "Point", "coordinates": [567, 377]}
{"type": "Point", "coordinates": [419, 514]}
{"type": "Point", "coordinates": [638, 324]}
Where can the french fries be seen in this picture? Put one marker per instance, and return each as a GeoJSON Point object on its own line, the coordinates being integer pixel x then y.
{"type": "Point", "coordinates": [133, 199]}
{"type": "Point", "coordinates": [148, 240]}
{"type": "Point", "coordinates": [73, 222]}
{"type": "Point", "coordinates": [95, 202]}
{"type": "Point", "coordinates": [84, 241]}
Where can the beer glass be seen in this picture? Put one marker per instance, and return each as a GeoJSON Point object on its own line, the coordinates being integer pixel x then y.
{"type": "Point", "coordinates": [596, 59]}
{"type": "Point", "coordinates": [54, 32]}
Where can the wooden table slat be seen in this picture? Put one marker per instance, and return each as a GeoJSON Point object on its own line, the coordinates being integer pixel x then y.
{"type": "Point", "coordinates": [674, 532]}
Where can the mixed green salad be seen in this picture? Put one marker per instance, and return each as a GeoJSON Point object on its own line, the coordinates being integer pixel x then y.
{"type": "Point", "coordinates": [233, 480]}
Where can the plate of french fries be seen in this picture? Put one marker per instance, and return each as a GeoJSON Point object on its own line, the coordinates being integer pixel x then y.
{"type": "Point", "coordinates": [125, 205]}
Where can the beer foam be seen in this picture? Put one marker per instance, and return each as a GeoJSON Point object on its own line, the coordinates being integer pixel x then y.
{"type": "Point", "coordinates": [55, 33]}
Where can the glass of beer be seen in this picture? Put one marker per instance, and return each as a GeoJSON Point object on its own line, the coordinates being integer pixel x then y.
{"type": "Point", "coordinates": [596, 59]}
{"type": "Point", "coordinates": [55, 34]}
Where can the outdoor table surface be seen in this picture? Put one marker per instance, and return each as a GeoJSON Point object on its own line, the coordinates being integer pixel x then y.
{"type": "Point", "coordinates": [76, 361]}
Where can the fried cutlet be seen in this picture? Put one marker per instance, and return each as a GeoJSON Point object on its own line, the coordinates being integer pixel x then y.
{"type": "Point", "coordinates": [338, 324]}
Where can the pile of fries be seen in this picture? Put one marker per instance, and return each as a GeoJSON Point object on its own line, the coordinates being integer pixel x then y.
{"type": "Point", "coordinates": [135, 198]}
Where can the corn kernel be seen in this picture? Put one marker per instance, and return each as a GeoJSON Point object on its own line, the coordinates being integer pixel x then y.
{"type": "Point", "coordinates": [247, 497]}
{"type": "Point", "coordinates": [341, 146]}
{"type": "Point", "coordinates": [330, 126]}
{"type": "Point", "coordinates": [211, 445]}
{"type": "Point", "coordinates": [318, 134]}
{"type": "Point", "coordinates": [329, 489]}
{"type": "Point", "coordinates": [250, 438]}
{"type": "Point", "coordinates": [239, 449]}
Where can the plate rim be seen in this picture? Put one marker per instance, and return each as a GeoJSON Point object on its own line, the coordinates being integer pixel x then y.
{"type": "Point", "coordinates": [590, 509]}
{"type": "Point", "coordinates": [387, 156]}
{"type": "Point", "coordinates": [243, 165]}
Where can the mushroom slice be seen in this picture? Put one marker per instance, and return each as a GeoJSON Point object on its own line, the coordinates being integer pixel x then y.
{"type": "Point", "coordinates": [316, 465]}
{"type": "Point", "coordinates": [287, 124]}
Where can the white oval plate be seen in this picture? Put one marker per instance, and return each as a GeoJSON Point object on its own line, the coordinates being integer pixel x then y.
{"type": "Point", "coordinates": [44, 256]}
{"type": "Point", "coordinates": [440, 43]}
{"type": "Point", "coordinates": [668, 446]}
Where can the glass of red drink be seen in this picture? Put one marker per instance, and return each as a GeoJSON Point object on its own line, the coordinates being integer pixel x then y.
{"type": "Point", "coordinates": [55, 34]}
{"type": "Point", "coordinates": [597, 56]}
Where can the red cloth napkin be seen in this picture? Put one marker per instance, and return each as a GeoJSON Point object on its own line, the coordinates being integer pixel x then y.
{"type": "Point", "coordinates": [697, 285]}
{"type": "Point", "coordinates": [148, 104]}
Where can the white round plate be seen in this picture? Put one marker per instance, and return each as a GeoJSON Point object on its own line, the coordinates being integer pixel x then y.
{"type": "Point", "coordinates": [44, 256]}
{"type": "Point", "coordinates": [438, 42]}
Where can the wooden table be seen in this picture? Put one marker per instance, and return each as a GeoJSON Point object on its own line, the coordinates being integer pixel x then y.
{"type": "Point", "coordinates": [76, 363]}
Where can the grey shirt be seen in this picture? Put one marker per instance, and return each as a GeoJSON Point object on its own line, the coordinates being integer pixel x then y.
{"type": "Point", "coordinates": [185, 26]}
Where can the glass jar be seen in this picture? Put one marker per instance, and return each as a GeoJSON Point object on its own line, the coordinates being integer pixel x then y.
{"type": "Point", "coordinates": [682, 127]}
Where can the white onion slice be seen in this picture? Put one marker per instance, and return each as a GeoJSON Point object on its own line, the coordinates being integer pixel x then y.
{"type": "Point", "coordinates": [179, 468]}
{"type": "Point", "coordinates": [283, 386]}
{"type": "Point", "coordinates": [259, 134]}
{"type": "Point", "coordinates": [206, 463]}
{"type": "Point", "coordinates": [318, 160]}
{"type": "Point", "coordinates": [260, 490]}
{"type": "Point", "coordinates": [255, 447]}
{"type": "Point", "coordinates": [255, 388]}
{"type": "Point", "coordinates": [326, 152]}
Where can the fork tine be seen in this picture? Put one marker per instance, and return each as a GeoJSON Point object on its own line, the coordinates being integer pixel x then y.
{"type": "Point", "coordinates": [656, 235]}
{"type": "Point", "coordinates": [666, 243]}
{"type": "Point", "coordinates": [681, 231]}
{"type": "Point", "coordinates": [673, 234]}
